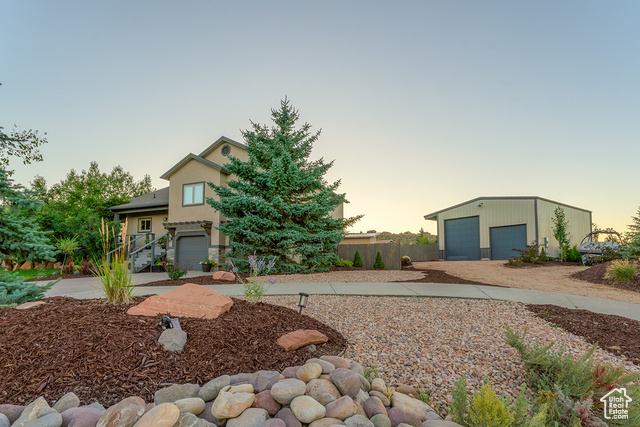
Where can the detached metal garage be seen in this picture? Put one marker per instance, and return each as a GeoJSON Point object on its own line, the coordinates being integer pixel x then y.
{"type": "Point", "coordinates": [492, 227]}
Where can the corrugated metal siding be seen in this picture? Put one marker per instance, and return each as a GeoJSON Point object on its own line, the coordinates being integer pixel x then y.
{"type": "Point", "coordinates": [579, 224]}
{"type": "Point", "coordinates": [493, 213]}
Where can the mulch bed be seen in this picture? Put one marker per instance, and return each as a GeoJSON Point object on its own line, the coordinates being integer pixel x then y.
{"type": "Point", "coordinates": [100, 353]}
{"type": "Point", "coordinates": [617, 335]}
{"type": "Point", "coordinates": [58, 276]}
{"type": "Point", "coordinates": [546, 264]}
{"type": "Point", "coordinates": [439, 276]}
{"type": "Point", "coordinates": [596, 273]}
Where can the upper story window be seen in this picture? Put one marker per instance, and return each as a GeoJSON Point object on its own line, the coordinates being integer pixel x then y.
{"type": "Point", "coordinates": [226, 150]}
{"type": "Point", "coordinates": [144, 225]}
{"type": "Point", "coordinates": [193, 194]}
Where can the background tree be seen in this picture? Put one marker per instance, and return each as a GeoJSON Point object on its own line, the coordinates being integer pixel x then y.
{"type": "Point", "coordinates": [279, 203]}
{"type": "Point", "coordinates": [632, 249]}
{"type": "Point", "coordinates": [560, 231]}
{"type": "Point", "coordinates": [423, 238]}
{"type": "Point", "coordinates": [76, 205]}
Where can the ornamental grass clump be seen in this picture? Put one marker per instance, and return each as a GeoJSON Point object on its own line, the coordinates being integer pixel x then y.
{"type": "Point", "coordinates": [622, 271]}
{"type": "Point", "coordinates": [253, 290]}
{"type": "Point", "coordinates": [114, 278]}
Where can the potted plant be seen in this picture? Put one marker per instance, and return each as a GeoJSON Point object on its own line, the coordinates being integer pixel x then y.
{"type": "Point", "coordinates": [158, 267]}
{"type": "Point", "coordinates": [207, 264]}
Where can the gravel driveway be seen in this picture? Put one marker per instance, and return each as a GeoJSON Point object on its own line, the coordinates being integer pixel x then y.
{"type": "Point", "coordinates": [430, 342]}
{"type": "Point", "coordinates": [551, 279]}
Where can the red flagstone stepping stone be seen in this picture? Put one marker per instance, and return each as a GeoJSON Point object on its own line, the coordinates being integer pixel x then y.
{"type": "Point", "coordinates": [300, 338]}
{"type": "Point", "coordinates": [224, 275]}
{"type": "Point", "coordinates": [30, 304]}
{"type": "Point", "coordinates": [189, 300]}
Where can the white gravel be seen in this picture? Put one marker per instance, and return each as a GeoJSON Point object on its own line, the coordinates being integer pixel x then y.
{"type": "Point", "coordinates": [430, 342]}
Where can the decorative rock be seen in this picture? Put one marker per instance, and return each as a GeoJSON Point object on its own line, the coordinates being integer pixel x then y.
{"type": "Point", "coordinates": [175, 392]}
{"type": "Point", "coordinates": [30, 304]}
{"type": "Point", "coordinates": [361, 397]}
{"type": "Point", "coordinates": [364, 383]}
{"type": "Point", "coordinates": [224, 275]}
{"type": "Point", "coordinates": [356, 367]}
{"type": "Point", "coordinates": [81, 417]}
{"type": "Point", "coordinates": [57, 265]}
{"type": "Point", "coordinates": [274, 422]}
{"type": "Point", "coordinates": [26, 266]}
{"type": "Point", "coordinates": [187, 419]}
{"type": "Point", "coordinates": [209, 418]}
{"type": "Point", "coordinates": [359, 410]}
{"type": "Point", "coordinates": [53, 419]}
{"type": "Point", "coordinates": [306, 409]}
{"type": "Point", "coordinates": [123, 414]}
{"type": "Point", "coordinates": [385, 400]}
{"type": "Point", "coordinates": [397, 416]}
{"type": "Point", "coordinates": [289, 419]}
{"type": "Point", "coordinates": [327, 367]}
{"type": "Point", "coordinates": [230, 404]}
{"type": "Point", "coordinates": [346, 381]}
{"type": "Point", "coordinates": [325, 399]}
{"type": "Point", "coordinates": [68, 401]}
{"type": "Point", "coordinates": [264, 380]}
{"type": "Point", "coordinates": [300, 338]}
{"type": "Point", "coordinates": [30, 413]}
{"type": "Point", "coordinates": [50, 265]}
{"type": "Point", "coordinates": [433, 416]}
{"type": "Point", "coordinates": [239, 388]}
{"type": "Point", "coordinates": [252, 417]}
{"type": "Point", "coordinates": [210, 390]}
{"type": "Point", "coordinates": [173, 339]}
{"type": "Point", "coordinates": [316, 388]}
{"type": "Point", "coordinates": [374, 406]}
{"type": "Point", "coordinates": [440, 423]}
{"type": "Point", "coordinates": [4, 420]}
{"type": "Point", "coordinates": [358, 421]}
{"type": "Point", "coordinates": [148, 407]}
{"type": "Point", "coordinates": [410, 405]}
{"type": "Point", "coordinates": [309, 372]}
{"type": "Point", "coordinates": [381, 420]}
{"type": "Point", "coordinates": [96, 405]}
{"type": "Point", "coordinates": [12, 412]}
{"type": "Point", "coordinates": [164, 415]}
{"type": "Point", "coordinates": [377, 384]}
{"type": "Point", "coordinates": [342, 408]}
{"type": "Point", "coordinates": [285, 391]}
{"type": "Point", "coordinates": [189, 300]}
{"type": "Point", "coordinates": [337, 361]}
{"type": "Point", "coordinates": [46, 411]}
{"type": "Point", "coordinates": [265, 401]}
{"type": "Point", "coordinates": [326, 422]}
{"type": "Point", "coordinates": [241, 379]}
{"type": "Point", "coordinates": [194, 405]}
{"type": "Point", "coordinates": [407, 389]}
{"type": "Point", "coordinates": [290, 372]}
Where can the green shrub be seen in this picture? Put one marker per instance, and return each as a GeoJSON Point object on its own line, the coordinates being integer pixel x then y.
{"type": "Point", "coordinates": [343, 263]}
{"type": "Point", "coordinates": [379, 264]}
{"type": "Point", "coordinates": [622, 271]}
{"type": "Point", "coordinates": [543, 255]}
{"type": "Point", "coordinates": [175, 272]}
{"type": "Point", "coordinates": [572, 254]}
{"type": "Point", "coordinates": [14, 290]}
{"type": "Point", "coordinates": [357, 261]}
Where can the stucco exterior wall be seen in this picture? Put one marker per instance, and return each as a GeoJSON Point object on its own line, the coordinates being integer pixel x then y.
{"type": "Point", "coordinates": [358, 241]}
{"type": "Point", "coordinates": [493, 213]}
{"type": "Point", "coordinates": [217, 157]}
{"type": "Point", "coordinates": [579, 224]}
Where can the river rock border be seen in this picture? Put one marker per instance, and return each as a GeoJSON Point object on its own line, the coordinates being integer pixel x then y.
{"type": "Point", "coordinates": [325, 392]}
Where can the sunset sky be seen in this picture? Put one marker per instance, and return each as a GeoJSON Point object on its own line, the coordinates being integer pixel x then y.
{"type": "Point", "coordinates": [422, 104]}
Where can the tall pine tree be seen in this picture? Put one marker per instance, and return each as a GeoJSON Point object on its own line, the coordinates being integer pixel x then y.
{"type": "Point", "coordinates": [278, 203]}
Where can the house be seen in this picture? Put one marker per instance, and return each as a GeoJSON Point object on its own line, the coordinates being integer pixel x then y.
{"type": "Point", "coordinates": [369, 237]}
{"type": "Point", "coordinates": [180, 213]}
{"type": "Point", "coordinates": [491, 227]}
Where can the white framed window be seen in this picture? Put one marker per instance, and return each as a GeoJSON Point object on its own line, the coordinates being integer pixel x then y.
{"type": "Point", "coordinates": [144, 225]}
{"type": "Point", "coordinates": [193, 194]}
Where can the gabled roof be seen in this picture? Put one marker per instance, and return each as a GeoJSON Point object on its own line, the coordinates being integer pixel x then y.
{"type": "Point", "coordinates": [433, 215]}
{"type": "Point", "coordinates": [187, 159]}
{"type": "Point", "coordinates": [155, 199]}
{"type": "Point", "coordinates": [221, 140]}
{"type": "Point", "coordinates": [361, 235]}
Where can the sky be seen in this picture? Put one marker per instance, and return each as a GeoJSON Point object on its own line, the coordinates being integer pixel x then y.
{"type": "Point", "coordinates": [422, 105]}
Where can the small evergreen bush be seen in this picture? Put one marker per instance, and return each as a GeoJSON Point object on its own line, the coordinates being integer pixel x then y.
{"type": "Point", "coordinates": [175, 272]}
{"type": "Point", "coordinates": [357, 261]}
{"type": "Point", "coordinates": [343, 263]}
{"type": "Point", "coordinates": [622, 271]}
{"type": "Point", "coordinates": [14, 290]}
{"type": "Point", "coordinates": [572, 254]}
{"type": "Point", "coordinates": [379, 264]}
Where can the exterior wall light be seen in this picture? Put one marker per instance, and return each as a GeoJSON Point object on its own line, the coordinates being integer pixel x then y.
{"type": "Point", "coordinates": [303, 301]}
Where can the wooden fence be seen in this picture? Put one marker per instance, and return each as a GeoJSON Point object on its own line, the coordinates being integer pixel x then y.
{"type": "Point", "coordinates": [390, 252]}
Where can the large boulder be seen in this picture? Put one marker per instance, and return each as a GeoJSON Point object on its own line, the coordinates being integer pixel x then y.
{"type": "Point", "coordinates": [189, 300]}
{"type": "Point", "coordinates": [300, 338]}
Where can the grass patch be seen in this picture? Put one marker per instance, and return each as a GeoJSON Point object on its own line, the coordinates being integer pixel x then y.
{"type": "Point", "coordinates": [33, 273]}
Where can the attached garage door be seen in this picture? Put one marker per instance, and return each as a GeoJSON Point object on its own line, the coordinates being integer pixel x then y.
{"type": "Point", "coordinates": [191, 250]}
{"type": "Point", "coordinates": [462, 238]}
{"type": "Point", "coordinates": [505, 239]}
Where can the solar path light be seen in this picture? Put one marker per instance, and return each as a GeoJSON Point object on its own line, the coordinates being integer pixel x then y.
{"type": "Point", "coordinates": [303, 301]}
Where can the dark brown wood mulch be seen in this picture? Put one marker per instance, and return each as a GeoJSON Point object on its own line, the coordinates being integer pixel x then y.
{"type": "Point", "coordinates": [58, 276]}
{"type": "Point", "coordinates": [596, 273]}
{"type": "Point", "coordinates": [439, 276]}
{"type": "Point", "coordinates": [99, 352]}
{"type": "Point", "coordinates": [546, 264]}
{"type": "Point", "coordinates": [616, 334]}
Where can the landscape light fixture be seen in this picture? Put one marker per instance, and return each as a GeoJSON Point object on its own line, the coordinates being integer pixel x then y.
{"type": "Point", "coordinates": [303, 301]}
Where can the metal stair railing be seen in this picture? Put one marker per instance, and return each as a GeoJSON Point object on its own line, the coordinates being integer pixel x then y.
{"type": "Point", "coordinates": [128, 245]}
{"type": "Point", "coordinates": [134, 254]}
